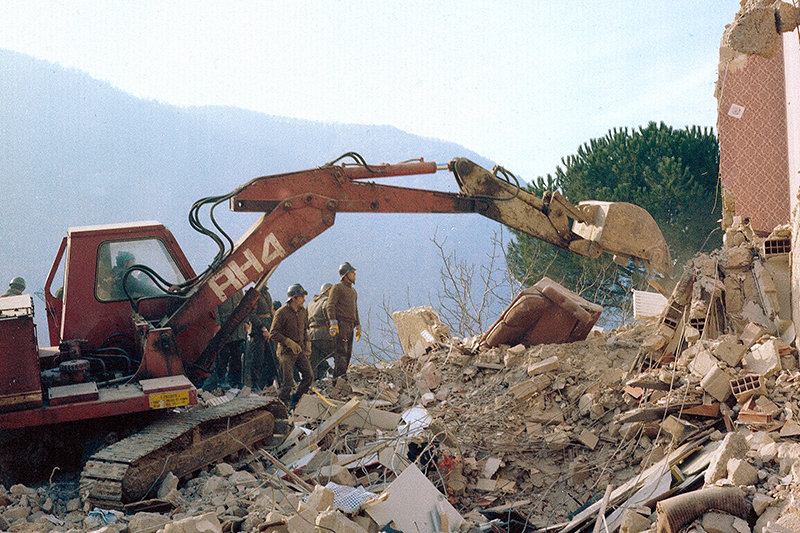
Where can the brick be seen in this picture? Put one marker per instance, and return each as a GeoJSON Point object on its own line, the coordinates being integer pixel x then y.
{"type": "Point", "coordinates": [207, 523]}
{"type": "Point", "coordinates": [678, 429]}
{"type": "Point", "coordinates": [556, 441]}
{"type": "Point", "coordinates": [761, 501]}
{"type": "Point", "coordinates": [765, 360]}
{"type": "Point", "coordinates": [739, 256]}
{"type": "Point", "coordinates": [636, 392]}
{"type": "Point", "coordinates": [753, 417]}
{"type": "Point", "coordinates": [337, 474]}
{"type": "Point", "coordinates": [790, 429]}
{"type": "Point", "coordinates": [579, 473]}
{"type": "Point", "coordinates": [492, 464]}
{"type": "Point", "coordinates": [548, 365]}
{"type": "Point", "coordinates": [767, 406]}
{"type": "Point", "coordinates": [633, 522]}
{"type": "Point", "coordinates": [740, 472]}
{"type": "Point", "coordinates": [589, 439]}
{"type": "Point", "coordinates": [710, 410]}
{"type": "Point", "coordinates": [702, 363]}
{"type": "Point", "coordinates": [321, 499]}
{"type": "Point", "coordinates": [752, 413]}
{"type": "Point", "coordinates": [747, 386]}
{"type": "Point", "coordinates": [730, 351]}
{"type": "Point", "coordinates": [523, 391]}
{"type": "Point", "coordinates": [486, 485]}
{"type": "Point", "coordinates": [302, 522]}
{"type": "Point", "coordinates": [752, 332]}
{"type": "Point", "coordinates": [541, 382]}
{"type": "Point", "coordinates": [336, 521]}
{"type": "Point", "coordinates": [717, 383]}
{"type": "Point", "coordinates": [506, 485]}
{"type": "Point", "coordinates": [718, 523]}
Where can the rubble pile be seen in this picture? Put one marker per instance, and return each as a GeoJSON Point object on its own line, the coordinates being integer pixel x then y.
{"type": "Point", "coordinates": [686, 419]}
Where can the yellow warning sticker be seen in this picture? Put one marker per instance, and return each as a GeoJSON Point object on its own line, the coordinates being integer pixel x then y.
{"type": "Point", "coordinates": [165, 400]}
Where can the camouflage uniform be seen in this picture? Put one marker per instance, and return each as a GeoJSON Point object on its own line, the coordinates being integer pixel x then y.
{"type": "Point", "coordinates": [228, 367]}
{"type": "Point", "coordinates": [259, 360]}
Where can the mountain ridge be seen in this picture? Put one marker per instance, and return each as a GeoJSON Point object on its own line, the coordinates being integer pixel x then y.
{"type": "Point", "coordinates": [76, 151]}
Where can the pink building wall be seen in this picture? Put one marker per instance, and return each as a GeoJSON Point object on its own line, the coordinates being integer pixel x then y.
{"type": "Point", "coordinates": [753, 138]}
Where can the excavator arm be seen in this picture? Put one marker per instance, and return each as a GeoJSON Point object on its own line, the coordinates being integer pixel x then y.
{"type": "Point", "coordinates": [298, 206]}
{"type": "Point", "coordinates": [621, 229]}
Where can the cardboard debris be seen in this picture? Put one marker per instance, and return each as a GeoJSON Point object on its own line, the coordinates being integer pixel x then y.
{"type": "Point", "coordinates": [411, 500]}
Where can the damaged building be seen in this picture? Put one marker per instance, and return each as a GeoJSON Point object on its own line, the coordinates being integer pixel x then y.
{"type": "Point", "coordinates": [686, 419]}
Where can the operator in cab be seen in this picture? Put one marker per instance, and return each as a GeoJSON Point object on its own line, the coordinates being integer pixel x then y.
{"type": "Point", "coordinates": [137, 288]}
{"type": "Point", "coordinates": [290, 332]}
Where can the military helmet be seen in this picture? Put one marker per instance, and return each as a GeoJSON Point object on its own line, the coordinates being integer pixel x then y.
{"type": "Point", "coordinates": [17, 283]}
{"type": "Point", "coordinates": [295, 289]}
{"type": "Point", "coordinates": [345, 269]}
{"type": "Point", "coordinates": [325, 287]}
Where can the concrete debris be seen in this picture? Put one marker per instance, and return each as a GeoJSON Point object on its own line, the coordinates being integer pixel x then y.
{"type": "Point", "coordinates": [689, 418]}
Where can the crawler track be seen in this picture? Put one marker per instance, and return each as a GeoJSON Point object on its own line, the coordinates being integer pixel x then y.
{"type": "Point", "coordinates": [181, 443]}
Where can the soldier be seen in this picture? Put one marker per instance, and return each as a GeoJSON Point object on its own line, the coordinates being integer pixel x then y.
{"type": "Point", "coordinates": [290, 332]}
{"type": "Point", "coordinates": [319, 333]}
{"type": "Point", "coordinates": [259, 367]}
{"type": "Point", "coordinates": [228, 370]}
{"type": "Point", "coordinates": [15, 287]}
{"type": "Point", "coordinates": [343, 318]}
{"type": "Point", "coordinates": [135, 286]}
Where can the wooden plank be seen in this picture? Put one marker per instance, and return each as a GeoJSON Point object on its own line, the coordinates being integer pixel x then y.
{"type": "Point", "coordinates": [310, 443]}
{"type": "Point", "coordinates": [601, 513]}
{"type": "Point", "coordinates": [316, 408]}
{"type": "Point", "coordinates": [351, 461]}
{"type": "Point", "coordinates": [635, 483]}
{"type": "Point", "coordinates": [294, 477]}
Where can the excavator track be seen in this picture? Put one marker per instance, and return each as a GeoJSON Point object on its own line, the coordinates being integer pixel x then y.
{"type": "Point", "coordinates": [181, 443]}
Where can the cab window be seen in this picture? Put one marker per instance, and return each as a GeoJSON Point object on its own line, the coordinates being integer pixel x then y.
{"type": "Point", "coordinates": [115, 257]}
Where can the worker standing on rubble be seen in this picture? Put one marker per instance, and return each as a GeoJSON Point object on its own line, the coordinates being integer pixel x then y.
{"type": "Point", "coordinates": [290, 332]}
{"type": "Point", "coordinates": [319, 332]}
{"type": "Point", "coordinates": [228, 370]}
{"type": "Point", "coordinates": [260, 369]}
{"type": "Point", "coordinates": [343, 316]}
{"type": "Point", "coordinates": [15, 287]}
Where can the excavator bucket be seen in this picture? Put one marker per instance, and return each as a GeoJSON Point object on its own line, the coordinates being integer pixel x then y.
{"type": "Point", "coordinates": [625, 231]}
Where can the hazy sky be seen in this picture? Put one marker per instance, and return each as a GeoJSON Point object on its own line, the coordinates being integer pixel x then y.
{"type": "Point", "coordinates": [522, 83]}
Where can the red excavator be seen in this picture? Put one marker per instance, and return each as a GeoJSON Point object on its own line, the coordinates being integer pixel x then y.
{"type": "Point", "coordinates": [132, 326]}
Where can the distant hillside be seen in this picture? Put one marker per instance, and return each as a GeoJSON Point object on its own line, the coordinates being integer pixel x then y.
{"type": "Point", "coordinates": [76, 151]}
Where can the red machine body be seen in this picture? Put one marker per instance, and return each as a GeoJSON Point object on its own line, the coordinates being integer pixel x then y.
{"type": "Point", "coordinates": [93, 334]}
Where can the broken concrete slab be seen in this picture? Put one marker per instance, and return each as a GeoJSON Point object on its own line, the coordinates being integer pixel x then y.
{"type": "Point", "coordinates": [419, 326]}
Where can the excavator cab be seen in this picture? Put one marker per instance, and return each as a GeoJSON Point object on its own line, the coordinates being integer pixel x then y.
{"type": "Point", "coordinates": [91, 303]}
